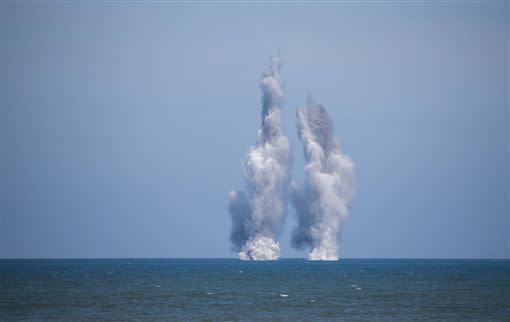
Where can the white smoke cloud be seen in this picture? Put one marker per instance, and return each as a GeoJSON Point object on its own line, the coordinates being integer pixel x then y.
{"type": "Point", "coordinates": [322, 203]}
{"type": "Point", "coordinates": [258, 214]}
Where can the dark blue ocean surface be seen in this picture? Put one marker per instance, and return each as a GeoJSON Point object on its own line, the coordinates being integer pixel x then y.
{"type": "Point", "coordinates": [216, 289]}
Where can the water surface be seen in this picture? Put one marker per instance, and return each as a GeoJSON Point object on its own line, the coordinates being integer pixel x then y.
{"type": "Point", "coordinates": [227, 289]}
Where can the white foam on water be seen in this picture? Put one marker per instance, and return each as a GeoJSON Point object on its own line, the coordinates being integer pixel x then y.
{"type": "Point", "coordinates": [312, 301]}
{"type": "Point", "coordinates": [284, 295]}
{"type": "Point", "coordinates": [157, 286]}
{"type": "Point", "coordinates": [210, 293]}
{"type": "Point", "coordinates": [358, 288]}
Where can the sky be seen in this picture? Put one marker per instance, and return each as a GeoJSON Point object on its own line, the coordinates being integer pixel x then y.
{"type": "Point", "coordinates": [124, 123]}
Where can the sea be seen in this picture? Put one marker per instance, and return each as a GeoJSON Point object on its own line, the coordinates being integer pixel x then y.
{"type": "Point", "coordinates": [234, 290]}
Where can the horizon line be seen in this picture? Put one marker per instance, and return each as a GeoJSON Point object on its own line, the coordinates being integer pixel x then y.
{"type": "Point", "coordinates": [235, 258]}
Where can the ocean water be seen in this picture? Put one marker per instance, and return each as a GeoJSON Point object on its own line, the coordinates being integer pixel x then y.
{"type": "Point", "coordinates": [226, 289]}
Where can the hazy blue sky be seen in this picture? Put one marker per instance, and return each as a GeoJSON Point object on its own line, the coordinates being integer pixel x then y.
{"type": "Point", "coordinates": [124, 124]}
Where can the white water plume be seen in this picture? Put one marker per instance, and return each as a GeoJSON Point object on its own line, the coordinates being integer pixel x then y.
{"type": "Point", "coordinates": [322, 203]}
{"type": "Point", "coordinates": [258, 214]}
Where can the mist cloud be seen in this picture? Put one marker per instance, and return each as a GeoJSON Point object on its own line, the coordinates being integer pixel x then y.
{"type": "Point", "coordinates": [258, 212]}
{"type": "Point", "coordinates": [322, 202]}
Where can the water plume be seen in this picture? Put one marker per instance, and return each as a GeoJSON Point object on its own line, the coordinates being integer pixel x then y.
{"type": "Point", "coordinates": [322, 202]}
{"type": "Point", "coordinates": [258, 214]}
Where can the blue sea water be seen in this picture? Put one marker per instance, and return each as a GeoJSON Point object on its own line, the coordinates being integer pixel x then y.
{"type": "Point", "coordinates": [227, 289]}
